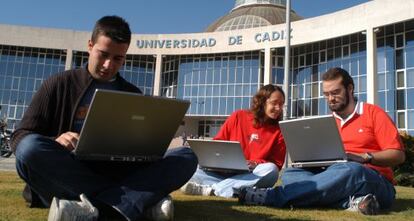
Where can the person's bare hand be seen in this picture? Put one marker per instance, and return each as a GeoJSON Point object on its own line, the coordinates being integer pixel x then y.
{"type": "Point", "coordinates": [251, 165]}
{"type": "Point", "coordinates": [68, 140]}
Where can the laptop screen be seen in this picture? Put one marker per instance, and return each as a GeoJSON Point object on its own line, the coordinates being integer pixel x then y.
{"type": "Point", "coordinates": [313, 139]}
{"type": "Point", "coordinates": [129, 126]}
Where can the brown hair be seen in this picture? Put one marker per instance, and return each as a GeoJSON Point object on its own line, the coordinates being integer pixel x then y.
{"type": "Point", "coordinates": [336, 73]}
{"type": "Point", "coordinates": [113, 27]}
{"type": "Point", "coordinates": [259, 102]}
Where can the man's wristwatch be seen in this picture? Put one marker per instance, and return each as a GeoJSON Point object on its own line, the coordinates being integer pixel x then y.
{"type": "Point", "coordinates": [368, 157]}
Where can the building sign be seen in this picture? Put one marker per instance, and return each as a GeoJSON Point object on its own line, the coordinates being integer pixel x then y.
{"type": "Point", "coordinates": [184, 43]}
{"type": "Point", "coordinates": [261, 37]}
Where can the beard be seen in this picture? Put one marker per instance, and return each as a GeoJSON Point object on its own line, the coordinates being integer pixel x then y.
{"type": "Point", "coordinates": [339, 107]}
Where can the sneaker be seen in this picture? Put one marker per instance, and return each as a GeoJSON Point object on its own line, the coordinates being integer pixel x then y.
{"type": "Point", "coordinates": [71, 210]}
{"type": "Point", "coordinates": [367, 205]}
{"type": "Point", "coordinates": [192, 188]}
{"type": "Point", "coordinates": [252, 196]}
{"type": "Point", "coordinates": [163, 210]}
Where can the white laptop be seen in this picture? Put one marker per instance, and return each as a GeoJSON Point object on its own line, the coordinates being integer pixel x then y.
{"type": "Point", "coordinates": [219, 155]}
{"type": "Point", "coordinates": [122, 126]}
{"type": "Point", "coordinates": [313, 142]}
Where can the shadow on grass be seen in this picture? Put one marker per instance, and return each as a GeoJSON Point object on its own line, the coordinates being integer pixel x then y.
{"type": "Point", "coordinates": [401, 205]}
{"type": "Point", "coordinates": [205, 210]}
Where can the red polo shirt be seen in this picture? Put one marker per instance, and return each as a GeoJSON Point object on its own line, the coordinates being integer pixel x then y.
{"type": "Point", "coordinates": [369, 129]}
{"type": "Point", "coordinates": [260, 144]}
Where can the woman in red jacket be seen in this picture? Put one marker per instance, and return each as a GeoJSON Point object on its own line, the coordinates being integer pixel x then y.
{"type": "Point", "coordinates": [259, 134]}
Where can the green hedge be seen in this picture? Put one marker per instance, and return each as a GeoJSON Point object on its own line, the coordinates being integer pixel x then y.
{"type": "Point", "coordinates": [404, 173]}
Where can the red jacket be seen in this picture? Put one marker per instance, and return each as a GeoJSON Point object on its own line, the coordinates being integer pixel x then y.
{"type": "Point", "coordinates": [260, 144]}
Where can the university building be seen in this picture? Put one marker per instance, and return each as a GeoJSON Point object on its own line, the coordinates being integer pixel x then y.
{"type": "Point", "coordinates": [221, 68]}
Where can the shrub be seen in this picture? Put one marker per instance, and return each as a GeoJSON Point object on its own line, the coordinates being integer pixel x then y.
{"type": "Point", "coordinates": [404, 173]}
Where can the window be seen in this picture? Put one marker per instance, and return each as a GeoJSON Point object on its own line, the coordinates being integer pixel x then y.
{"type": "Point", "coordinates": [400, 79]}
{"type": "Point", "coordinates": [19, 56]}
{"type": "Point", "coordinates": [41, 58]}
{"type": "Point", "coordinates": [345, 51]}
{"type": "Point", "coordinates": [128, 65]}
{"type": "Point", "coordinates": [399, 41]}
{"type": "Point", "coordinates": [322, 56]}
{"type": "Point", "coordinates": [302, 60]}
{"type": "Point", "coordinates": [401, 119]}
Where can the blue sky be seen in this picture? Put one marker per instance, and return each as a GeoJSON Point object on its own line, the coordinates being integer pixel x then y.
{"type": "Point", "coordinates": [144, 16]}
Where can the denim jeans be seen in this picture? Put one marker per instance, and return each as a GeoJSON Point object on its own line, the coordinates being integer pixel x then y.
{"type": "Point", "coordinates": [130, 188]}
{"type": "Point", "coordinates": [224, 185]}
{"type": "Point", "coordinates": [331, 187]}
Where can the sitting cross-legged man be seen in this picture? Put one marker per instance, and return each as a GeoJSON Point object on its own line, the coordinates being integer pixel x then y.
{"type": "Point", "coordinates": [364, 183]}
{"type": "Point", "coordinates": [49, 131]}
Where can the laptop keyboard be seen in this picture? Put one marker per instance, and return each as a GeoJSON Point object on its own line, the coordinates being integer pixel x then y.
{"type": "Point", "coordinates": [135, 158]}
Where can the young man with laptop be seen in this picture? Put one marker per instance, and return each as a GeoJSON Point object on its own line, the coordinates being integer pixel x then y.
{"type": "Point", "coordinates": [49, 132]}
{"type": "Point", "coordinates": [363, 184]}
{"type": "Point", "coordinates": [258, 134]}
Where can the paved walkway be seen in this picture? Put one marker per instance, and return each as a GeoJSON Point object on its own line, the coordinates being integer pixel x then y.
{"type": "Point", "coordinates": [7, 164]}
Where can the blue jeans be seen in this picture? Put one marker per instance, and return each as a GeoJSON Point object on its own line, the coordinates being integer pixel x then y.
{"type": "Point", "coordinates": [264, 175]}
{"type": "Point", "coordinates": [130, 188]}
{"type": "Point", "coordinates": [331, 187]}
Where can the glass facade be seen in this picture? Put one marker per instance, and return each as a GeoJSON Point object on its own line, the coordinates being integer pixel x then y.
{"type": "Point", "coordinates": [278, 66]}
{"type": "Point", "coordinates": [138, 69]}
{"type": "Point", "coordinates": [210, 127]}
{"type": "Point", "coordinates": [215, 84]}
{"type": "Point", "coordinates": [395, 54]}
{"type": "Point", "coordinates": [218, 84]}
{"type": "Point", "coordinates": [310, 61]}
{"type": "Point", "coordinates": [22, 71]}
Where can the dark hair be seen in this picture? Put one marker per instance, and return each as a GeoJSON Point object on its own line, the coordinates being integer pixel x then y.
{"type": "Point", "coordinates": [336, 73]}
{"type": "Point", "coordinates": [113, 27]}
{"type": "Point", "coordinates": [259, 103]}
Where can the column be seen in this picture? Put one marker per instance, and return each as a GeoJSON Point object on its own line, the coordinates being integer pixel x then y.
{"type": "Point", "coordinates": [267, 78]}
{"type": "Point", "coordinates": [372, 82]}
{"type": "Point", "coordinates": [69, 57]}
{"type": "Point", "coordinates": [157, 77]}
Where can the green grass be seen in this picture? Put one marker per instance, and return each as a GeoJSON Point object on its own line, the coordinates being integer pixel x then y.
{"type": "Point", "coordinates": [12, 207]}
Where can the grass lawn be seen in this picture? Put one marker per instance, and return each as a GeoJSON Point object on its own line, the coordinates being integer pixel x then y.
{"type": "Point", "coordinates": [12, 207]}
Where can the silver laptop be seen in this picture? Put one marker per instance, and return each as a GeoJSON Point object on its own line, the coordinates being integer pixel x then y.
{"type": "Point", "coordinates": [219, 155]}
{"type": "Point", "coordinates": [122, 126]}
{"type": "Point", "coordinates": [313, 142]}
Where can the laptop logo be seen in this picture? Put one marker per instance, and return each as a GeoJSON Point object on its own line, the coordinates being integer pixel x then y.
{"type": "Point", "coordinates": [137, 117]}
{"type": "Point", "coordinates": [307, 127]}
{"type": "Point", "coordinates": [218, 154]}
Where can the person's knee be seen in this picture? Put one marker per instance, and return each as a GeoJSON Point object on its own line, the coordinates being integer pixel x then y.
{"type": "Point", "coordinates": [28, 150]}
{"type": "Point", "coordinates": [354, 172]}
{"type": "Point", "coordinates": [187, 158]}
{"type": "Point", "coordinates": [355, 169]}
{"type": "Point", "coordinates": [266, 168]}
{"type": "Point", "coordinates": [269, 173]}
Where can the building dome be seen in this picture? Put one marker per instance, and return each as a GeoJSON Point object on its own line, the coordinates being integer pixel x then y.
{"type": "Point", "coordinates": [253, 13]}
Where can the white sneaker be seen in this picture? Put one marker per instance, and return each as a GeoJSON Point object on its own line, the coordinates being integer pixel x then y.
{"type": "Point", "coordinates": [192, 188]}
{"type": "Point", "coordinates": [71, 210]}
{"type": "Point", "coordinates": [162, 211]}
{"type": "Point", "coordinates": [252, 196]}
{"type": "Point", "coordinates": [367, 205]}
